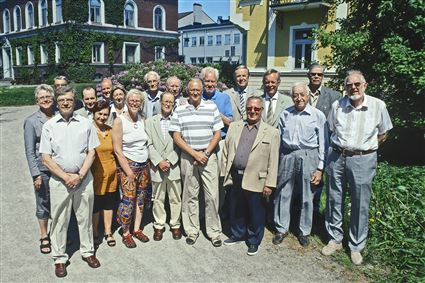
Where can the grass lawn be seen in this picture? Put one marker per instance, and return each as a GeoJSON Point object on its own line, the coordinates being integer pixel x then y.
{"type": "Point", "coordinates": [24, 95]}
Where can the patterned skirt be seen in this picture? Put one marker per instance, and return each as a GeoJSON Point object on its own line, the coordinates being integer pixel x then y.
{"type": "Point", "coordinates": [134, 194]}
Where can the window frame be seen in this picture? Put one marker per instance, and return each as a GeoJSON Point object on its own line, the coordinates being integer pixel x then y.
{"type": "Point", "coordinates": [6, 21]}
{"type": "Point", "coordinates": [227, 39]}
{"type": "Point", "coordinates": [30, 55]}
{"type": "Point", "coordinates": [17, 25]}
{"type": "Point", "coordinates": [29, 23]}
{"type": "Point", "coordinates": [43, 19]}
{"type": "Point", "coordinates": [135, 14]}
{"type": "Point", "coordinates": [161, 53]}
{"type": "Point", "coordinates": [101, 46]}
{"type": "Point", "coordinates": [163, 18]}
{"type": "Point", "coordinates": [44, 55]}
{"type": "Point", "coordinates": [101, 13]}
{"type": "Point", "coordinates": [57, 12]}
{"type": "Point", "coordinates": [217, 42]}
{"type": "Point", "coordinates": [292, 44]}
{"type": "Point", "coordinates": [136, 52]}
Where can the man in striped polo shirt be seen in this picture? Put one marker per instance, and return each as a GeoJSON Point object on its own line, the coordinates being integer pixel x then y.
{"type": "Point", "coordinates": [196, 128]}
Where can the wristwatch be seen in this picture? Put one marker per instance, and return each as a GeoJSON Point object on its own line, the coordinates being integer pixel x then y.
{"type": "Point", "coordinates": [207, 153]}
{"type": "Point", "coordinates": [81, 176]}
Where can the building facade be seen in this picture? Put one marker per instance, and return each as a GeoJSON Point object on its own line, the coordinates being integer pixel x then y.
{"type": "Point", "coordinates": [280, 34]}
{"type": "Point", "coordinates": [205, 41]}
{"type": "Point", "coordinates": [106, 34]}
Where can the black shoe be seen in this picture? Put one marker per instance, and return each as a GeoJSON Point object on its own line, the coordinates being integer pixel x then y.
{"type": "Point", "coordinates": [252, 250]}
{"type": "Point", "coordinates": [278, 238]}
{"type": "Point", "coordinates": [231, 241]}
{"type": "Point", "coordinates": [304, 241]}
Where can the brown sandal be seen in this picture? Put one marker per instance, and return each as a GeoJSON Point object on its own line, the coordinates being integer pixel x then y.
{"type": "Point", "coordinates": [140, 236]}
{"type": "Point", "coordinates": [44, 246]}
{"type": "Point", "coordinates": [128, 241]}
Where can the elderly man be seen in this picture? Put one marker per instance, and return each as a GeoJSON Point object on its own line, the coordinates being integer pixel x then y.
{"type": "Point", "coordinates": [67, 147]}
{"type": "Point", "coordinates": [196, 128]}
{"type": "Point", "coordinates": [89, 100]}
{"type": "Point", "coordinates": [152, 94]}
{"type": "Point", "coordinates": [358, 124]}
{"type": "Point", "coordinates": [59, 81]}
{"type": "Point", "coordinates": [165, 170]}
{"type": "Point", "coordinates": [275, 102]}
{"type": "Point", "coordinates": [302, 154]}
{"type": "Point", "coordinates": [106, 87]}
{"type": "Point", "coordinates": [241, 92]}
{"type": "Point", "coordinates": [209, 76]}
{"type": "Point", "coordinates": [249, 166]}
{"type": "Point", "coordinates": [322, 98]}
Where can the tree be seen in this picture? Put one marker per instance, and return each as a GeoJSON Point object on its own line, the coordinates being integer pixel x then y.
{"type": "Point", "coordinates": [385, 40]}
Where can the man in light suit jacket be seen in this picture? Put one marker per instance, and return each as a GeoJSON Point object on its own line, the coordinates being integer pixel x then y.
{"type": "Point", "coordinates": [249, 166]}
{"type": "Point", "coordinates": [89, 99]}
{"type": "Point", "coordinates": [274, 101]}
{"type": "Point", "coordinates": [322, 98]}
{"type": "Point", "coordinates": [241, 92]}
{"type": "Point", "coordinates": [165, 170]}
{"type": "Point", "coordinates": [152, 94]}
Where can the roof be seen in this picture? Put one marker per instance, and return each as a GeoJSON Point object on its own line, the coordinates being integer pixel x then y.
{"type": "Point", "coordinates": [224, 23]}
{"type": "Point", "coordinates": [184, 14]}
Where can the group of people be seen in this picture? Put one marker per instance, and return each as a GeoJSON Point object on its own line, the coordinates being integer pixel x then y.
{"type": "Point", "coordinates": [124, 150]}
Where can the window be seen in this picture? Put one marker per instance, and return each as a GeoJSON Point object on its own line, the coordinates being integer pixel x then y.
{"type": "Point", "coordinates": [201, 60]}
{"type": "Point", "coordinates": [226, 53]}
{"type": "Point", "coordinates": [193, 41]}
{"type": "Point", "coordinates": [17, 21]}
{"type": "Point", "coordinates": [6, 21]}
{"type": "Point", "coordinates": [98, 52]}
{"type": "Point", "coordinates": [302, 48]}
{"type": "Point", "coordinates": [193, 60]}
{"type": "Point", "coordinates": [130, 14]}
{"type": "Point", "coordinates": [44, 55]}
{"type": "Point", "coordinates": [210, 40]}
{"type": "Point", "coordinates": [29, 15]}
{"type": "Point", "coordinates": [159, 53]}
{"type": "Point", "coordinates": [42, 13]}
{"type": "Point", "coordinates": [19, 55]}
{"type": "Point", "coordinates": [209, 59]}
{"type": "Point", "coordinates": [57, 52]}
{"type": "Point", "coordinates": [227, 39]}
{"type": "Point", "coordinates": [201, 41]}
{"type": "Point", "coordinates": [232, 51]}
{"type": "Point", "coordinates": [159, 18]}
{"type": "Point", "coordinates": [30, 53]}
{"type": "Point", "coordinates": [236, 38]}
{"type": "Point", "coordinates": [95, 11]}
{"type": "Point", "coordinates": [186, 42]}
{"type": "Point", "coordinates": [131, 53]}
{"type": "Point", "coordinates": [57, 11]}
{"type": "Point", "coordinates": [218, 39]}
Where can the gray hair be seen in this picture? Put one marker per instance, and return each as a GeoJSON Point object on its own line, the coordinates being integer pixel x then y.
{"type": "Point", "coordinates": [355, 72]}
{"type": "Point", "coordinates": [193, 80]}
{"type": "Point", "coordinates": [259, 98]}
{"type": "Point", "coordinates": [164, 94]}
{"type": "Point", "coordinates": [135, 91]}
{"type": "Point", "coordinates": [173, 78]}
{"type": "Point", "coordinates": [271, 71]}
{"type": "Point", "coordinates": [316, 65]}
{"type": "Point", "coordinates": [151, 73]}
{"type": "Point", "coordinates": [61, 78]}
{"type": "Point", "coordinates": [88, 88]}
{"type": "Point", "coordinates": [44, 87]}
{"type": "Point", "coordinates": [241, 67]}
{"type": "Point", "coordinates": [118, 87]}
{"type": "Point", "coordinates": [299, 84]}
{"type": "Point", "coordinates": [64, 90]}
{"type": "Point", "coordinates": [209, 70]}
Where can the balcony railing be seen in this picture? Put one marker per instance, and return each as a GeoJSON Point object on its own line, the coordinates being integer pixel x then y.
{"type": "Point", "coordinates": [290, 5]}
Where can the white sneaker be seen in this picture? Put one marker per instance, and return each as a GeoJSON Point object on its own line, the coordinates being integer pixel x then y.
{"type": "Point", "coordinates": [356, 258]}
{"type": "Point", "coordinates": [331, 247]}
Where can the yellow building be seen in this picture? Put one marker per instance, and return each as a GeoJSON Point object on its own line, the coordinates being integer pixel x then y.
{"type": "Point", "coordinates": [279, 34]}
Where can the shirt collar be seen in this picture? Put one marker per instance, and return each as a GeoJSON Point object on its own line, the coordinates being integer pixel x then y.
{"type": "Point", "coordinates": [275, 96]}
{"type": "Point", "coordinates": [155, 98]}
{"type": "Point", "coordinates": [256, 125]}
{"type": "Point", "coordinates": [318, 91]}
{"type": "Point", "coordinates": [208, 97]}
{"type": "Point", "coordinates": [74, 116]}
{"type": "Point", "coordinates": [345, 103]}
{"type": "Point", "coordinates": [308, 110]}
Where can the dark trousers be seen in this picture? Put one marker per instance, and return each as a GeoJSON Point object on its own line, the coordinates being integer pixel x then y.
{"type": "Point", "coordinates": [247, 213]}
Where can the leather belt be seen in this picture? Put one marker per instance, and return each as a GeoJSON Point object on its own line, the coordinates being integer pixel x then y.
{"type": "Point", "coordinates": [347, 152]}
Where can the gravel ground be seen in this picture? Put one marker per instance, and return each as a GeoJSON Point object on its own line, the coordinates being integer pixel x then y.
{"type": "Point", "coordinates": [167, 260]}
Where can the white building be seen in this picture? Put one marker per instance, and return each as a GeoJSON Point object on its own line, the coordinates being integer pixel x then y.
{"type": "Point", "coordinates": [204, 41]}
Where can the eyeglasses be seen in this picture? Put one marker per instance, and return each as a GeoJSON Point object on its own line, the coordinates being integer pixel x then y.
{"type": "Point", "coordinates": [316, 74]}
{"type": "Point", "coordinates": [63, 100]}
{"type": "Point", "coordinates": [136, 102]}
{"type": "Point", "coordinates": [45, 97]}
{"type": "Point", "coordinates": [256, 109]}
{"type": "Point", "coordinates": [357, 85]}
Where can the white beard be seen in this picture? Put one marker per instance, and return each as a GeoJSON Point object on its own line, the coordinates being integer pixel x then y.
{"type": "Point", "coordinates": [355, 97]}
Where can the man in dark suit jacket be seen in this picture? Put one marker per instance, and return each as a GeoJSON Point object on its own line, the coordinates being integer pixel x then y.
{"type": "Point", "coordinates": [322, 98]}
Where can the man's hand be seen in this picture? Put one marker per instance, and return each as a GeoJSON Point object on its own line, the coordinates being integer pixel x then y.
{"type": "Point", "coordinates": [200, 158]}
{"type": "Point", "coordinates": [72, 181]}
{"type": "Point", "coordinates": [37, 182]}
{"type": "Point", "coordinates": [164, 165]}
{"type": "Point", "coordinates": [267, 192]}
{"type": "Point", "coordinates": [316, 177]}
{"type": "Point", "coordinates": [131, 178]}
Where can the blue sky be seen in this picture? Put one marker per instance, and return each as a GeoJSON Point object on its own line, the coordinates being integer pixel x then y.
{"type": "Point", "coordinates": [213, 8]}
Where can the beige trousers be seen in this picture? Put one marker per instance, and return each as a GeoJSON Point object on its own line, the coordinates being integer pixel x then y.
{"type": "Point", "coordinates": [62, 200]}
{"type": "Point", "coordinates": [174, 191]}
{"type": "Point", "coordinates": [194, 177]}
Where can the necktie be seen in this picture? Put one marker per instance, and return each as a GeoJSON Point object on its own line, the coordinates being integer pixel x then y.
{"type": "Point", "coordinates": [242, 103]}
{"type": "Point", "coordinates": [270, 112]}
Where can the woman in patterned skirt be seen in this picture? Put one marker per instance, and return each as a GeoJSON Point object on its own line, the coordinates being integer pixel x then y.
{"type": "Point", "coordinates": [104, 170]}
{"type": "Point", "coordinates": [130, 145]}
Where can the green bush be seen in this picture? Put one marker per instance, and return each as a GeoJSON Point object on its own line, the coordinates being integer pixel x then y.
{"type": "Point", "coordinates": [397, 223]}
{"type": "Point", "coordinates": [81, 73]}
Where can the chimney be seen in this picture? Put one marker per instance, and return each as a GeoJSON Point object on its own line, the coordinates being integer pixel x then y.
{"type": "Point", "coordinates": [197, 13]}
{"type": "Point", "coordinates": [219, 19]}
